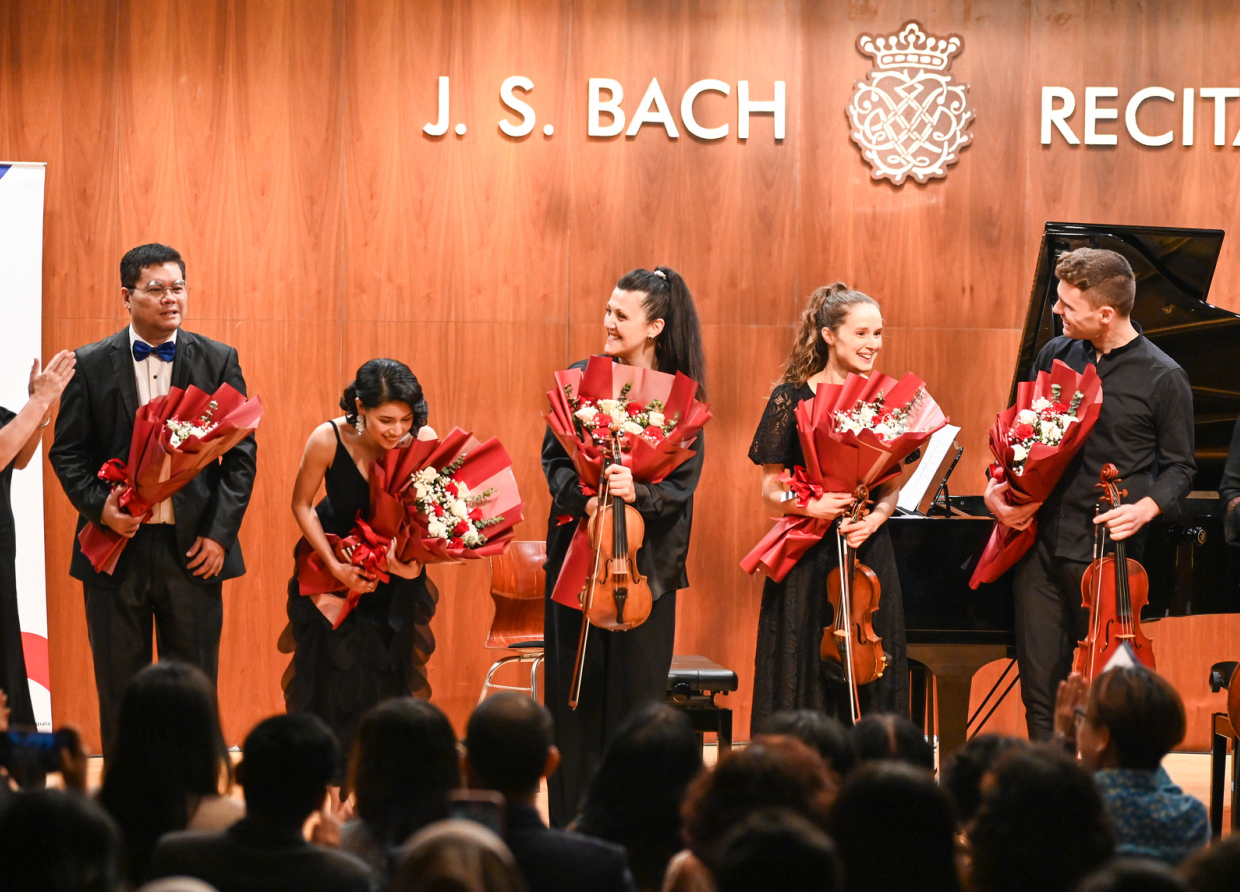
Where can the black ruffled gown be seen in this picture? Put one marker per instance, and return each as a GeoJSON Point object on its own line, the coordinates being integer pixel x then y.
{"type": "Point", "coordinates": [788, 672]}
{"type": "Point", "coordinates": [381, 648]}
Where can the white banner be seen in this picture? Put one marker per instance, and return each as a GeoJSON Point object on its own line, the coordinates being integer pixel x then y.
{"type": "Point", "coordinates": [21, 272]}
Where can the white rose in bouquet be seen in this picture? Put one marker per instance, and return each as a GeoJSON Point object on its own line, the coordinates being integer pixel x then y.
{"type": "Point", "coordinates": [421, 491]}
{"type": "Point", "coordinates": [437, 529]}
{"type": "Point", "coordinates": [866, 415]}
{"type": "Point", "coordinates": [1027, 416]}
{"type": "Point", "coordinates": [656, 418]}
{"type": "Point", "coordinates": [631, 427]}
{"type": "Point", "coordinates": [586, 413]}
{"type": "Point", "coordinates": [427, 475]}
{"type": "Point", "coordinates": [460, 509]}
{"type": "Point", "coordinates": [608, 406]}
{"type": "Point", "coordinates": [1019, 453]}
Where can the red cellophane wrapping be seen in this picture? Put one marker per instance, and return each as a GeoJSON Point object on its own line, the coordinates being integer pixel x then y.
{"type": "Point", "coordinates": [156, 469]}
{"type": "Point", "coordinates": [394, 517]}
{"type": "Point", "coordinates": [1044, 466]}
{"type": "Point", "coordinates": [485, 466]}
{"type": "Point", "coordinates": [650, 462]}
{"type": "Point", "coordinates": [840, 461]}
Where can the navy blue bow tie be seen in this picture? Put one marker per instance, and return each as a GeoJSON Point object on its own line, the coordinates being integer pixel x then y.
{"type": "Point", "coordinates": [165, 352]}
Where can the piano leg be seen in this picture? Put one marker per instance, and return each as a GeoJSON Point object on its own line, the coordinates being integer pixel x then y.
{"type": "Point", "coordinates": [953, 667]}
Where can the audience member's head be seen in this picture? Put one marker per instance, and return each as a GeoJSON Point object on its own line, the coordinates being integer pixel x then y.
{"type": "Point", "coordinates": [1134, 875]}
{"type": "Point", "coordinates": [1041, 827]}
{"type": "Point", "coordinates": [779, 772]}
{"type": "Point", "coordinates": [1134, 718]}
{"type": "Point", "coordinates": [1215, 869]}
{"type": "Point", "coordinates": [177, 884]}
{"type": "Point", "coordinates": [895, 829]}
{"type": "Point", "coordinates": [635, 797]}
{"type": "Point", "coordinates": [776, 850]}
{"type": "Point", "coordinates": [404, 766]}
{"type": "Point", "coordinates": [456, 856]}
{"type": "Point", "coordinates": [168, 753]}
{"type": "Point", "coordinates": [508, 746]}
{"type": "Point", "coordinates": [882, 736]}
{"type": "Point", "coordinates": [820, 731]}
{"type": "Point", "coordinates": [289, 761]}
{"type": "Point", "coordinates": [963, 776]}
{"type": "Point", "coordinates": [51, 841]}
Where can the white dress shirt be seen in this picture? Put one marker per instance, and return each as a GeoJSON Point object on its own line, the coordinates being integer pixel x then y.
{"type": "Point", "coordinates": [153, 377]}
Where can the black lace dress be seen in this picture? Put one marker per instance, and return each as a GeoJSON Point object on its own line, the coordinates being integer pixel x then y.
{"type": "Point", "coordinates": [381, 648]}
{"type": "Point", "coordinates": [788, 673]}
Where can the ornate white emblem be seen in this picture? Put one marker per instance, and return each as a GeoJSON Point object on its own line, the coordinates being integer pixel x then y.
{"type": "Point", "coordinates": [908, 117]}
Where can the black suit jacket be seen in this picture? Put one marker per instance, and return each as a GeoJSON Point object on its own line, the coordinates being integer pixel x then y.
{"type": "Point", "coordinates": [250, 858]}
{"type": "Point", "coordinates": [95, 424]}
{"type": "Point", "coordinates": [559, 861]}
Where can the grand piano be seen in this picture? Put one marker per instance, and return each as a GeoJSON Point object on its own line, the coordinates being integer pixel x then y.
{"type": "Point", "coordinates": [953, 630]}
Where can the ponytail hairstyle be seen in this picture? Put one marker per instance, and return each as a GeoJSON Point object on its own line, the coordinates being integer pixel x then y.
{"type": "Point", "coordinates": [678, 348]}
{"type": "Point", "coordinates": [828, 307]}
{"type": "Point", "coordinates": [381, 381]}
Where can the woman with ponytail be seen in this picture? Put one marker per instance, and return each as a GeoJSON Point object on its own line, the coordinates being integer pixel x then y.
{"type": "Point", "coordinates": [840, 333]}
{"type": "Point", "coordinates": [381, 647]}
{"type": "Point", "coordinates": [649, 321]}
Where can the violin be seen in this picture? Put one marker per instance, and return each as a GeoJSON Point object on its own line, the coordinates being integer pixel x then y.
{"type": "Point", "coordinates": [1113, 590]}
{"type": "Point", "coordinates": [854, 591]}
{"type": "Point", "coordinates": [617, 597]}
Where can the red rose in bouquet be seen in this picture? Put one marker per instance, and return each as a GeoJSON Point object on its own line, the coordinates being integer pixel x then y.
{"type": "Point", "coordinates": [656, 415]}
{"type": "Point", "coordinates": [852, 434]}
{"type": "Point", "coordinates": [1032, 442]}
{"type": "Point", "coordinates": [174, 437]}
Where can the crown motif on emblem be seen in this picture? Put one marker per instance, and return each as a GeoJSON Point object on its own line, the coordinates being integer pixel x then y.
{"type": "Point", "coordinates": [910, 48]}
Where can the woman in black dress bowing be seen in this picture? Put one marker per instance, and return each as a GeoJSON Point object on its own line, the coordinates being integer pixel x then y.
{"type": "Point", "coordinates": [841, 332]}
{"type": "Point", "coordinates": [379, 649]}
{"type": "Point", "coordinates": [649, 321]}
{"type": "Point", "coordinates": [20, 435]}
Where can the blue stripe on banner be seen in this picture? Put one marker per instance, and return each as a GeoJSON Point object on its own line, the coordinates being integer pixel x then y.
{"type": "Point", "coordinates": [4, 168]}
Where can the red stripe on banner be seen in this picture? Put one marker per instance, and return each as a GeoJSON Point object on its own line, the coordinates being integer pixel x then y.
{"type": "Point", "coordinates": [37, 666]}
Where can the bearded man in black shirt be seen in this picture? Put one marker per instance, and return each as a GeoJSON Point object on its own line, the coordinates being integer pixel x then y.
{"type": "Point", "coordinates": [1145, 429]}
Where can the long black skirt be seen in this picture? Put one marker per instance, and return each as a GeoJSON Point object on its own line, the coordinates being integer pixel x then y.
{"type": "Point", "coordinates": [788, 672]}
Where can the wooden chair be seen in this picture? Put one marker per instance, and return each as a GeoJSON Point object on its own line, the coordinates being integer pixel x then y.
{"type": "Point", "coordinates": [1224, 730]}
{"type": "Point", "coordinates": [517, 584]}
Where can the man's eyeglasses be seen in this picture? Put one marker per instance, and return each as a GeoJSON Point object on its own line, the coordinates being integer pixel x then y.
{"type": "Point", "coordinates": [156, 289]}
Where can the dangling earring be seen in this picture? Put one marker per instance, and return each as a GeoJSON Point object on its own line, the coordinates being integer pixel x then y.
{"type": "Point", "coordinates": [360, 425]}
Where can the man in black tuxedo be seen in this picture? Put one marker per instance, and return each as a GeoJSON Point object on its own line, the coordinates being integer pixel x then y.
{"type": "Point", "coordinates": [509, 749]}
{"type": "Point", "coordinates": [170, 575]}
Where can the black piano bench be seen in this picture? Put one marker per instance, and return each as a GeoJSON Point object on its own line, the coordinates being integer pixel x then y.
{"type": "Point", "coordinates": [1222, 675]}
{"type": "Point", "coordinates": [692, 684]}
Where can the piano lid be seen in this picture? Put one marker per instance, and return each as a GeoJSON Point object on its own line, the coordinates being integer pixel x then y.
{"type": "Point", "coordinates": [1174, 268]}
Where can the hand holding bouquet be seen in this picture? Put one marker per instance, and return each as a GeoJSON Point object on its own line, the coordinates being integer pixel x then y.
{"type": "Point", "coordinates": [1033, 441]}
{"type": "Point", "coordinates": [174, 438]}
{"type": "Point", "coordinates": [852, 434]}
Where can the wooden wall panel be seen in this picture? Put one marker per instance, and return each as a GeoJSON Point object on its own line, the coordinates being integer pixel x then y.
{"type": "Point", "coordinates": [280, 145]}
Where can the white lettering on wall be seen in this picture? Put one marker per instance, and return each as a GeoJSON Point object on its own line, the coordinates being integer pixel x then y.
{"type": "Point", "coordinates": [686, 109]}
{"type": "Point", "coordinates": [440, 127]}
{"type": "Point", "coordinates": [653, 110]}
{"type": "Point", "coordinates": [522, 108]}
{"type": "Point", "coordinates": [1094, 114]}
{"type": "Point", "coordinates": [1220, 95]}
{"type": "Point", "coordinates": [1130, 116]}
{"type": "Point", "coordinates": [747, 107]}
{"type": "Point", "coordinates": [1058, 116]}
{"type": "Point", "coordinates": [594, 127]}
